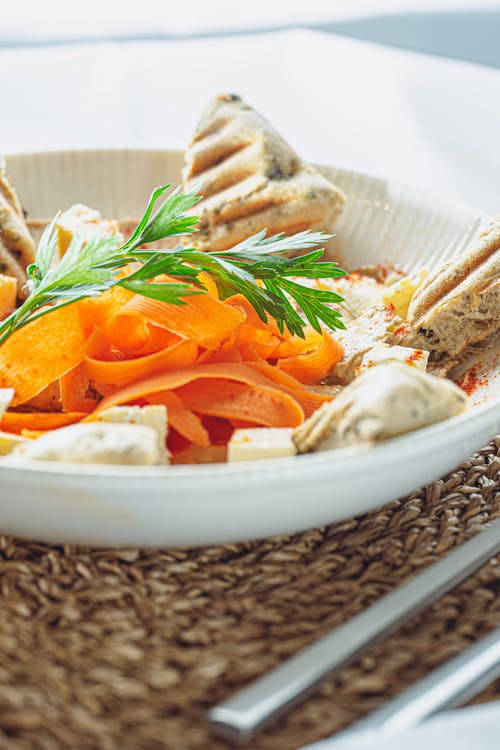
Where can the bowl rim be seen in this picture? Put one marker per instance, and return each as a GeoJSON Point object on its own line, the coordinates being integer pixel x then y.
{"type": "Point", "coordinates": [304, 464]}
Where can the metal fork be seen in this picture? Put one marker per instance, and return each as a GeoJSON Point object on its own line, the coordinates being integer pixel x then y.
{"type": "Point", "coordinates": [273, 694]}
{"type": "Point", "coordinates": [452, 684]}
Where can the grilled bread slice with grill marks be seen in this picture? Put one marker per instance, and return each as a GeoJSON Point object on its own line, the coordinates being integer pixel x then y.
{"type": "Point", "coordinates": [17, 249]}
{"type": "Point", "coordinates": [251, 179]}
{"type": "Point", "coordinates": [458, 306]}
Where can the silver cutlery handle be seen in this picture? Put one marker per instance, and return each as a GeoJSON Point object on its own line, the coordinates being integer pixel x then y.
{"type": "Point", "coordinates": [458, 680]}
{"type": "Point", "coordinates": [239, 717]}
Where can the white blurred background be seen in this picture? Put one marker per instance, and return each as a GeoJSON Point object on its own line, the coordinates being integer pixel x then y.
{"type": "Point", "coordinates": [465, 29]}
{"type": "Point", "coordinates": [392, 87]}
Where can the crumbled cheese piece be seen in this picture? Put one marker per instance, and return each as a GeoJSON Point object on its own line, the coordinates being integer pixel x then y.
{"type": "Point", "coordinates": [8, 442]}
{"type": "Point", "coordinates": [359, 292]}
{"type": "Point", "coordinates": [401, 292]}
{"type": "Point", "coordinates": [96, 443]}
{"type": "Point", "coordinates": [154, 416]}
{"type": "Point", "coordinates": [384, 353]}
{"type": "Point", "coordinates": [80, 217]}
{"type": "Point", "coordinates": [260, 442]}
{"type": "Point", "coordinates": [6, 396]}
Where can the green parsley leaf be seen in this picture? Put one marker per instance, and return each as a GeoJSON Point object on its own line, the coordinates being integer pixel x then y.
{"type": "Point", "coordinates": [257, 268]}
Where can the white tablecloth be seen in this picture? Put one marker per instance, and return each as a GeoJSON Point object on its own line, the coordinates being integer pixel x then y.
{"type": "Point", "coordinates": [421, 119]}
{"type": "Point", "coordinates": [35, 21]}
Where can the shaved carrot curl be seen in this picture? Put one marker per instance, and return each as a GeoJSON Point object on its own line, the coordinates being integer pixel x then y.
{"type": "Point", "coordinates": [172, 380]}
{"type": "Point", "coordinates": [204, 320]}
{"type": "Point", "coordinates": [15, 421]}
{"type": "Point", "coordinates": [123, 371]}
{"type": "Point", "coordinates": [43, 351]}
{"type": "Point", "coordinates": [181, 418]}
{"type": "Point", "coordinates": [214, 364]}
{"type": "Point", "coordinates": [314, 365]}
{"type": "Point", "coordinates": [309, 400]}
{"type": "Point", "coordinates": [259, 404]}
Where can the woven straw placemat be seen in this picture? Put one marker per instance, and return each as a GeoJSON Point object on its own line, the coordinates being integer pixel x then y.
{"type": "Point", "coordinates": [127, 649]}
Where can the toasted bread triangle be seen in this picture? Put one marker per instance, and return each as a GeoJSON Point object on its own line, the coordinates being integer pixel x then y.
{"type": "Point", "coordinates": [251, 179]}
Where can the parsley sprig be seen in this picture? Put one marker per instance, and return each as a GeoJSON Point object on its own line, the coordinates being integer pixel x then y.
{"type": "Point", "coordinates": [255, 268]}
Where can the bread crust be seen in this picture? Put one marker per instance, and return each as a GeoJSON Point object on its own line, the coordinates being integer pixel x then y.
{"type": "Point", "coordinates": [459, 305]}
{"type": "Point", "coordinates": [251, 179]}
{"type": "Point", "coordinates": [17, 249]}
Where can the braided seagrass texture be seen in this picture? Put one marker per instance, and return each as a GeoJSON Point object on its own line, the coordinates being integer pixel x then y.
{"type": "Point", "coordinates": [127, 649]}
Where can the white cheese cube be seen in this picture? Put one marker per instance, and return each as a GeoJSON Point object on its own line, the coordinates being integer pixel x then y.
{"type": "Point", "coordinates": [80, 218]}
{"type": "Point", "coordinates": [260, 442]}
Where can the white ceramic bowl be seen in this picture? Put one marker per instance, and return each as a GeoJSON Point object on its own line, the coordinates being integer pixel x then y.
{"type": "Point", "coordinates": [383, 222]}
